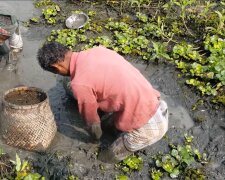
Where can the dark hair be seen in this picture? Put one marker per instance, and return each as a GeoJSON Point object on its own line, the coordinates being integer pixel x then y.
{"type": "Point", "coordinates": [51, 53]}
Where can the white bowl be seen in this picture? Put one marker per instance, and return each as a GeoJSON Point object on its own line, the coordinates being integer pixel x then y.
{"type": "Point", "coordinates": [76, 21]}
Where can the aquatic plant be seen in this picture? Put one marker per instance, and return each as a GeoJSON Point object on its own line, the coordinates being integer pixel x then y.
{"type": "Point", "coordinates": [139, 3]}
{"type": "Point", "coordinates": [142, 17]}
{"type": "Point", "coordinates": [50, 13]}
{"type": "Point", "coordinates": [157, 37]}
{"type": "Point", "coordinates": [18, 169]}
{"type": "Point", "coordinates": [23, 170]}
{"type": "Point", "coordinates": [178, 162]}
{"type": "Point", "coordinates": [219, 99]}
{"type": "Point", "coordinates": [35, 19]}
{"type": "Point", "coordinates": [183, 4]}
{"type": "Point", "coordinates": [156, 174]}
{"type": "Point", "coordinates": [159, 51]}
{"type": "Point", "coordinates": [42, 3]}
{"type": "Point", "coordinates": [188, 138]}
{"type": "Point", "coordinates": [121, 177]}
{"type": "Point", "coordinates": [219, 26]}
{"type": "Point", "coordinates": [187, 51]}
{"type": "Point", "coordinates": [198, 103]}
{"type": "Point", "coordinates": [129, 164]}
{"type": "Point", "coordinates": [67, 37]}
{"type": "Point", "coordinates": [72, 177]}
{"type": "Point", "coordinates": [216, 60]}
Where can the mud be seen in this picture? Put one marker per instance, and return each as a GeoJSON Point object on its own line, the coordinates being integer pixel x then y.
{"type": "Point", "coordinates": [74, 142]}
{"type": "Point", "coordinates": [25, 97]}
{"type": "Point", "coordinates": [5, 165]}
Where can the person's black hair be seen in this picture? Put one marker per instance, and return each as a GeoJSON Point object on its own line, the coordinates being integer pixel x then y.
{"type": "Point", "coordinates": [51, 53]}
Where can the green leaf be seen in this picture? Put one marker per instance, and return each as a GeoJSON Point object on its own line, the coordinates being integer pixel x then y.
{"type": "Point", "coordinates": [125, 169]}
{"type": "Point", "coordinates": [121, 177]}
{"type": "Point", "coordinates": [198, 154]}
{"type": "Point", "coordinates": [57, 8]}
{"type": "Point", "coordinates": [32, 176]}
{"type": "Point", "coordinates": [188, 138]}
{"type": "Point", "coordinates": [156, 174]}
{"type": "Point", "coordinates": [175, 173]}
{"type": "Point", "coordinates": [18, 163]}
{"type": "Point", "coordinates": [174, 152]}
{"type": "Point", "coordinates": [186, 157]}
{"type": "Point", "coordinates": [168, 166]}
{"type": "Point", "coordinates": [158, 163]}
{"type": "Point", "coordinates": [24, 165]}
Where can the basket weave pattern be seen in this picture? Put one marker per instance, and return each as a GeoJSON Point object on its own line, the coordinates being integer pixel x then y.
{"type": "Point", "coordinates": [30, 127]}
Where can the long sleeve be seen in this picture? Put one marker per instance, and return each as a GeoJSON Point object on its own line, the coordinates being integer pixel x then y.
{"type": "Point", "coordinates": [87, 103]}
{"type": "Point", "coordinates": [102, 79]}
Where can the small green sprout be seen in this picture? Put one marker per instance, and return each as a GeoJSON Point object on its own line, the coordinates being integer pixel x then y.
{"type": "Point", "coordinates": [156, 174]}
{"type": "Point", "coordinates": [35, 19]}
{"type": "Point", "coordinates": [121, 177]}
{"type": "Point", "coordinates": [197, 104]}
{"type": "Point", "coordinates": [194, 174]}
{"type": "Point", "coordinates": [188, 138]}
{"type": "Point", "coordinates": [131, 163]}
{"type": "Point", "coordinates": [91, 13]}
{"type": "Point", "coordinates": [50, 13]}
{"type": "Point", "coordinates": [41, 3]}
{"type": "Point", "coordinates": [142, 17]}
{"type": "Point", "coordinates": [102, 167]}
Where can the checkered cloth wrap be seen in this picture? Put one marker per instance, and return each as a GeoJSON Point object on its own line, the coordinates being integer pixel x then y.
{"type": "Point", "coordinates": [151, 132]}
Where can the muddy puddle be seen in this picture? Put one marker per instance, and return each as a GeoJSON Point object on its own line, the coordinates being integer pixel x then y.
{"type": "Point", "coordinates": [73, 141]}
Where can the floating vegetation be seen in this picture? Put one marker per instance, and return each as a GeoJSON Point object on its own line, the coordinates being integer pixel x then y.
{"type": "Point", "coordinates": [50, 14]}
{"type": "Point", "coordinates": [189, 34]}
{"type": "Point", "coordinates": [178, 163]}
{"type": "Point", "coordinates": [35, 19]}
{"type": "Point", "coordinates": [121, 177]}
{"type": "Point", "coordinates": [131, 163]}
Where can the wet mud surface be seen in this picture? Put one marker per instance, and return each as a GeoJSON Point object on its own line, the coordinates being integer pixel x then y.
{"type": "Point", "coordinates": [25, 97]}
{"type": "Point", "coordinates": [72, 143]}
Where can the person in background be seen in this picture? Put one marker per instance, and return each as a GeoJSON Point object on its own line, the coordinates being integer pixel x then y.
{"type": "Point", "coordinates": [101, 79]}
{"type": "Point", "coordinates": [9, 25]}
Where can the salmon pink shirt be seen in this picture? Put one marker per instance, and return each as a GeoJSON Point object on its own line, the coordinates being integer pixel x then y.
{"type": "Point", "coordinates": [103, 79]}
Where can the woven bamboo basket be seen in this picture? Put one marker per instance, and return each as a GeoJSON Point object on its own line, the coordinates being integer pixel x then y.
{"type": "Point", "coordinates": [27, 126]}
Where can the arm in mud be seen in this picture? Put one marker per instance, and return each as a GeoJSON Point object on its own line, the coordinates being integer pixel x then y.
{"type": "Point", "coordinates": [88, 106]}
{"type": "Point", "coordinates": [89, 113]}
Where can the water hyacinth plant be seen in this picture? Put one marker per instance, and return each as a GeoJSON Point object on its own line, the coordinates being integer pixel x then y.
{"type": "Point", "coordinates": [178, 163]}
{"type": "Point", "coordinates": [157, 35]}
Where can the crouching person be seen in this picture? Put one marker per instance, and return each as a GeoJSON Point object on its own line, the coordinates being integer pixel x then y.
{"type": "Point", "coordinates": [103, 80]}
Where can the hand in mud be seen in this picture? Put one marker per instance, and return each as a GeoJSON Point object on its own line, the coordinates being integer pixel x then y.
{"type": "Point", "coordinates": [95, 131]}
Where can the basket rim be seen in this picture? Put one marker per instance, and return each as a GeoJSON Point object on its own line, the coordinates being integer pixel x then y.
{"type": "Point", "coordinates": [15, 106]}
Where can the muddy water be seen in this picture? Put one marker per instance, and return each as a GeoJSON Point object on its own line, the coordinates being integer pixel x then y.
{"type": "Point", "coordinates": [25, 97]}
{"type": "Point", "coordinates": [178, 114]}
{"type": "Point", "coordinates": [73, 140]}
{"type": "Point", "coordinates": [71, 135]}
